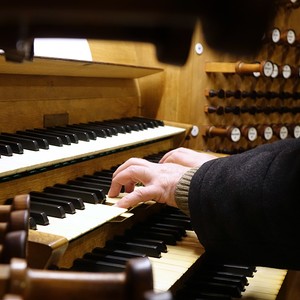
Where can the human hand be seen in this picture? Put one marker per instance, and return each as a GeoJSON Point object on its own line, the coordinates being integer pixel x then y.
{"type": "Point", "coordinates": [159, 182]}
{"type": "Point", "coordinates": [186, 157]}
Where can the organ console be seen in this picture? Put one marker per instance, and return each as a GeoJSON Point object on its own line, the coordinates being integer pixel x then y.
{"type": "Point", "coordinates": [66, 124]}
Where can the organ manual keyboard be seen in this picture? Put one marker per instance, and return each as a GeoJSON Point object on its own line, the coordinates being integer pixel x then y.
{"type": "Point", "coordinates": [31, 159]}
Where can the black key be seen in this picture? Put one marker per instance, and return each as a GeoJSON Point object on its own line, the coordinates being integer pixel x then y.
{"type": "Point", "coordinates": [228, 275]}
{"type": "Point", "coordinates": [85, 196]}
{"type": "Point", "coordinates": [140, 123]}
{"type": "Point", "coordinates": [145, 122]}
{"type": "Point", "coordinates": [90, 178]}
{"type": "Point", "coordinates": [32, 223]}
{"type": "Point", "coordinates": [130, 125]}
{"type": "Point", "coordinates": [99, 178]}
{"type": "Point", "coordinates": [76, 201]}
{"type": "Point", "coordinates": [5, 150]}
{"type": "Point", "coordinates": [110, 131]}
{"type": "Point", "coordinates": [43, 143]}
{"type": "Point", "coordinates": [177, 216]}
{"type": "Point", "coordinates": [217, 287]}
{"type": "Point", "coordinates": [84, 183]}
{"type": "Point", "coordinates": [50, 209]}
{"type": "Point", "coordinates": [180, 229]}
{"type": "Point", "coordinates": [92, 135]}
{"type": "Point", "coordinates": [173, 217]}
{"type": "Point", "coordinates": [149, 250]}
{"type": "Point", "coordinates": [168, 238]}
{"type": "Point", "coordinates": [134, 125]}
{"type": "Point", "coordinates": [208, 282]}
{"type": "Point", "coordinates": [174, 221]}
{"type": "Point", "coordinates": [105, 173]}
{"type": "Point", "coordinates": [120, 123]}
{"type": "Point", "coordinates": [100, 132]}
{"type": "Point", "coordinates": [120, 128]}
{"type": "Point", "coordinates": [127, 254]}
{"type": "Point", "coordinates": [159, 243]}
{"type": "Point", "coordinates": [157, 122]}
{"type": "Point", "coordinates": [154, 157]}
{"type": "Point", "coordinates": [114, 168]}
{"type": "Point", "coordinates": [216, 279]}
{"type": "Point", "coordinates": [28, 144]}
{"type": "Point", "coordinates": [15, 146]}
{"type": "Point", "coordinates": [158, 229]}
{"type": "Point", "coordinates": [82, 136]}
{"type": "Point", "coordinates": [39, 217]}
{"type": "Point", "coordinates": [174, 212]}
{"type": "Point", "coordinates": [150, 122]}
{"type": "Point", "coordinates": [67, 206]}
{"type": "Point", "coordinates": [56, 137]}
{"type": "Point", "coordinates": [105, 186]}
{"type": "Point", "coordinates": [72, 136]}
{"type": "Point", "coordinates": [86, 265]}
{"type": "Point", "coordinates": [234, 269]}
{"type": "Point", "coordinates": [52, 139]}
{"type": "Point", "coordinates": [98, 192]}
{"type": "Point", "coordinates": [107, 257]}
{"type": "Point", "coordinates": [109, 128]}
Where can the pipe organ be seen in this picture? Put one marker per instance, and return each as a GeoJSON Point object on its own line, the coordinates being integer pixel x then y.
{"type": "Point", "coordinates": [65, 124]}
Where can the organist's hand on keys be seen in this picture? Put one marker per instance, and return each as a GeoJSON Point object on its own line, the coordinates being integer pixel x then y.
{"type": "Point", "coordinates": [186, 157]}
{"type": "Point", "coordinates": [159, 182]}
{"type": "Point", "coordinates": [244, 208]}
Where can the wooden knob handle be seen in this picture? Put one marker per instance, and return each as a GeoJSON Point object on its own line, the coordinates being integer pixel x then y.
{"type": "Point", "coordinates": [35, 284]}
{"type": "Point", "coordinates": [246, 68]}
{"type": "Point", "coordinates": [231, 132]}
{"type": "Point", "coordinates": [265, 68]}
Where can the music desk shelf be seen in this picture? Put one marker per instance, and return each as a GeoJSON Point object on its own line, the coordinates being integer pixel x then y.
{"type": "Point", "coordinates": [75, 68]}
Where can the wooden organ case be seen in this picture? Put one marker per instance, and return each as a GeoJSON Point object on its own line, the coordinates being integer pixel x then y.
{"type": "Point", "coordinates": [125, 80]}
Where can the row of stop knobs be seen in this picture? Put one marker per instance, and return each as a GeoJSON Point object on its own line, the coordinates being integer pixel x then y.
{"type": "Point", "coordinates": [265, 68]}
{"type": "Point", "coordinates": [255, 95]}
{"type": "Point", "coordinates": [251, 133]}
{"type": "Point", "coordinates": [237, 110]}
{"type": "Point", "coordinates": [268, 68]}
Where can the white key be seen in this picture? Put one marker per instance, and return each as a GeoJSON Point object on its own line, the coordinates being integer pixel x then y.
{"type": "Point", "coordinates": [74, 225]}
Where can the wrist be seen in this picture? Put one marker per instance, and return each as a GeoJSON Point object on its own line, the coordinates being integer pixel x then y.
{"type": "Point", "coordinates": [182, 190]}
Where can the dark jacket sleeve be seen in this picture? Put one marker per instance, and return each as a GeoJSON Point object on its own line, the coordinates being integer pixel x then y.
{"type": "Point", "coordinates": [245, 208]}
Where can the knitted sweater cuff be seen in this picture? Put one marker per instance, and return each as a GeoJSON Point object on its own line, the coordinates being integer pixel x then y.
{"type": "Point", "coordinates": [182, 191]}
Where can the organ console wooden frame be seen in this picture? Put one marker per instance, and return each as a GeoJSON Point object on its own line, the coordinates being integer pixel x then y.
{"type": "Point", "coordinates": [126, 79]}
